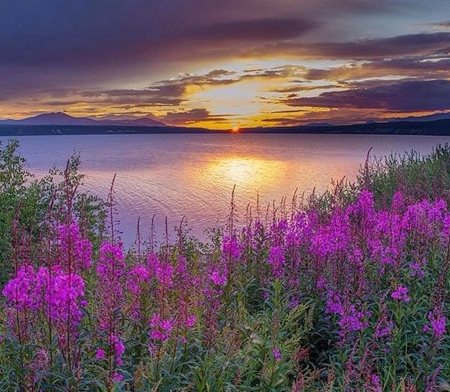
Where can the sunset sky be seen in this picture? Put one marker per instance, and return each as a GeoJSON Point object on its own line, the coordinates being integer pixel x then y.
{"type": "Point", "coordinates": [225, 63]}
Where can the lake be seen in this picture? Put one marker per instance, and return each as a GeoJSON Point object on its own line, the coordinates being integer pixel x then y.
{"type": "Point", "coordinates": [193, 175]}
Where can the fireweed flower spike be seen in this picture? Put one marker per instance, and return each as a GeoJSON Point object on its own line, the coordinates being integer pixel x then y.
{"type": "Point", "coordinates": [401, 294]}
{"type": "Point", "coordinates": [100, 354]}
{"type": "Point", "coordinates": [437, 323]}
{"type": "Point", "coordinates": [111, 270]}
{"type": "Point", "coordinates": [72, 243]}
{"type": "Point", "coordinates": [276, 354]}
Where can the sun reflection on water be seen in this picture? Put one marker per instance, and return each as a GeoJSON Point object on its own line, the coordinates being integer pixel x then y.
{"type": "Point", "coordinates": [247, 172]}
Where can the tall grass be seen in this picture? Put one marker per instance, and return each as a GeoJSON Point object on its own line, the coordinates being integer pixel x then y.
{"type": "Point", "coordinates": [346, 292]}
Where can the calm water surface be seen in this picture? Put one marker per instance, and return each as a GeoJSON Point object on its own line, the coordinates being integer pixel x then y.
{"type": "Point", "coordinates": [193, 175]}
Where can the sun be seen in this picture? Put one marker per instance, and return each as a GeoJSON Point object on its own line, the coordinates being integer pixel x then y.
{"type": "Point", "coordinates": [235, 129]}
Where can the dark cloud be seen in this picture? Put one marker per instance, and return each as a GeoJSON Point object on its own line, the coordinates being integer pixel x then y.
{"type": "Point", "coordinates": [302, 88]}
{"type": "Point", "coordinates": [78, 43]}
{"type": "Point", "coordinates": [406, 96]}
{"type": "Point", "coordinates": [386, 47]}
{"type": "Point", "coordinates": [217, 73]}
{"type": "Point", "coordinates": [265, 29]}
{"type": "Point", "coordinates": [164, 93]}
{"type": "Point", "coordinates": [362, 7]}
{"type": "Point", "coordinates": [193, 116]}
{"type": "Point", "coordinates": [368, 49]}
{"type": "Point", "coordinates": [406, 67]}
{"type": "Point", "coordinates": [61, 103]}
{"type": "Point", "coordinates": [170, 95]}
{"type": "Point", "coordinates": [118, 35]}
{"type": "Point", "coordinates": [83, 32]}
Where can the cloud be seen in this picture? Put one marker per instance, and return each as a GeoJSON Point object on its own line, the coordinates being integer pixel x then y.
{"type": "Point", "coordinates": [264, 29]}
{"type": "Point", "coordinates": [165, 95]}
{"type": "Point", "coordinates": [442, 25]}
{"type": "Point", "coordinates": [298, 88]}
{"type": "Point", "coordinates": [170, 92]}
{"type": "Point", "coordinates": [367, 49]}
{"type": "Point", "coordinates": [408, 96]}
{"type": "Point", "coordinates": [88, 41]}
{"type": "Point", "coordinates": [405, 67]}
{"type": "Point", "coordinates": [91, 54]}
{"type": "Point", "coordinates": [62, 103]}
{"type": "Point", "coordinates": [192, 116]}
{"type": "Point", "coordinates": [217, 73]}
{"type": "Point", "coordinates": [362, 7]}
{"type": "Point", "coordinates": [118, 35]}
{"type": "Point", "coordinates": [175, 91]}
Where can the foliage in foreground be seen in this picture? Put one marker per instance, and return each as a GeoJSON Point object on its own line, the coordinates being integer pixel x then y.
{"type": "Point", "coordinates": [351, 297]}
{"type": "Point", "coordinates": [28, 205]}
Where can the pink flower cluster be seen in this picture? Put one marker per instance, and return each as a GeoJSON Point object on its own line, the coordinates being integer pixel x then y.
{"type": "Point", "coordinates": [73, 248]}
{"type": "Point", "coordinates": [401, 294]}
{"type": "Point", "coordinates": [437, 324]}
{"type": "Point", "coordinates": [277, 261]}
{"type": "Point", "coordinates": [118, 348]}
{"type": "Point", "coordinates": [60, 296]}
{"type": "Point", "coordinates": [230, 247]}
{"type": "Point", "coordinates": [350, 318]}
{"type": "Point", "coordinates": [137, 277]}
{"type": "Point", "coordinates": [21, 292]}
{"type": "Point", "coordinates": [160, 329]}
{"type": "Point", "coordinates": [161, 270]}
{"type": "Point", "coordinates": [218, 276]}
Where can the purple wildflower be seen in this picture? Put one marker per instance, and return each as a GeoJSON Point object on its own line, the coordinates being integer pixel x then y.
{"type": "Point", "coordinates": [100, 354]}
{"type": "Point", "coordinates": [352, 320]}
{"type": "Point", "coordinates": [136, 277]}
{"type": "Point", "coordinates": [190, 321]}
{"type": "Point", "coordinates": [276, 354]}
{"type": "Point", "coordinates": [218, 276]}
{"type": "Point", "coordinates": [162, 271]}
{"type": "Point", "coordinates": [334, 304]}
{"type": "Point", "coordinates": [117, 377]}
{"type": "Point", "coordinates": [73, 245]}
{"type": "Point", "coordinates": [373, 384]}
{"type": "Point", "coordinates": [119, 349]}
{"type": "Point", "coordinates": [230, 247]}
{"type": "Point", "coordinates": [437, 323]}
{"type": "Point", "coordinates": [401, 294]}
{"type": "Point", "coordinates": [416, 270]}
{"type": "Point", "coordinates": [276, 260]}
{"type": "Point", "coordinates": [383, 329]}
{"type": "Point", "coordinates": [321, 284]}
{"type": "Point", "coordinates": [20, 292]}
{"type": "Point", "coordinates": [160, 329]}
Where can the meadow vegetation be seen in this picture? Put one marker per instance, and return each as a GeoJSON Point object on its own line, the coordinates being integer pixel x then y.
{"type": "Point", "coordinates": [343, 291]}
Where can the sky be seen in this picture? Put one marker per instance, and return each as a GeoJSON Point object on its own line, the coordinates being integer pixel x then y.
{"type": "Point", "coordinates": [228, 63]}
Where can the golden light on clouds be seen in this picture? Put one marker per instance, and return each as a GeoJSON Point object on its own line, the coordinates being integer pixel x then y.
{"type": "Point", "coordinates": [275, 63]}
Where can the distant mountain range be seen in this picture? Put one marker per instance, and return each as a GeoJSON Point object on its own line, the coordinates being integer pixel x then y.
{"type": "Point", "coordinates": [431, 117]}
{"type": "Point", "coordinates": [63, 124]}
{"type": "Point", "coordinates": [63, 119]}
